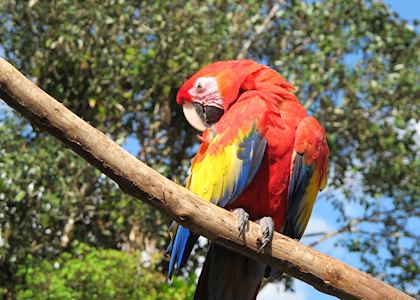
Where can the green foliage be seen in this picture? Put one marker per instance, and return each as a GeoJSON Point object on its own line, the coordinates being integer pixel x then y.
{"type": "Point", "coordinates": [44, 187]}
{"type": "Point", "coordinates": [119, 64]}
{"type": "Point", "coordinates": [88, 273]}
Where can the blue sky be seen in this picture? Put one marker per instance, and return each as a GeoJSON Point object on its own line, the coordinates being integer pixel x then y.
{"type": "Point", "coordinates": [407, 9]}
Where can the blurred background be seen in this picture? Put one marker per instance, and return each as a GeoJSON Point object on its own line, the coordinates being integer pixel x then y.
{"type": "Point", "coordinates": [68, 232]}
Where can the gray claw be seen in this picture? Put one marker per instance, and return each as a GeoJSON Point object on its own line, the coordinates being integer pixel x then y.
{"type": "Point", "coordinates": [243, 218]}
{"type": "Point", "coordinates": [267, 231]}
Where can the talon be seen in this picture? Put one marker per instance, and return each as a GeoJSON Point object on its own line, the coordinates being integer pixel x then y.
{"type": "Point", "coordinates": [243, 219]}
{"type": "Point", "coordinates": [267, 231]}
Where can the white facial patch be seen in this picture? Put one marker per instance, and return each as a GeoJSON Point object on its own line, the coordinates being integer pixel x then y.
{"type": "Point", "coordinates": [206, 92]}
{"type": "Point", "coordinates": [192, 116]}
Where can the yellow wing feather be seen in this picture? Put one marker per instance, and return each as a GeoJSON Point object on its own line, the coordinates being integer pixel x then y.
{"type": "Point", "coordinates": [217, 176]}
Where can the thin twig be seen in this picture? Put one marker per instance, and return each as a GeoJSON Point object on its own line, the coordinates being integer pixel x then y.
{"type": "Point", "coordinates": [328, 235]}
{"type": "Point", "coordinates": [259, 29]}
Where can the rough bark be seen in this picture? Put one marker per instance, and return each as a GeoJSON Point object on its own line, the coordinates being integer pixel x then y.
{"type": "Point", "coordinates": [137, 179]}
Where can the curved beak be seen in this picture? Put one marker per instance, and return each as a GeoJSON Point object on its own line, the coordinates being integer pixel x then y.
{"type": "Point", "coordinates": [201, 117]}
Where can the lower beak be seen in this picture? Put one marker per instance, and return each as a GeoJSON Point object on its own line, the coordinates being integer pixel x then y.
{"type": "Point", "coordinates": [201, 117]}
{"type": "Point", "coordinates": [212, 114]}
{"type": "Point", "coordinates": [209, 114]}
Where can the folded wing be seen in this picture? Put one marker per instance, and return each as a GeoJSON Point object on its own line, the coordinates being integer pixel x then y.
{"type": "Point", "coordinates": [308, 175]}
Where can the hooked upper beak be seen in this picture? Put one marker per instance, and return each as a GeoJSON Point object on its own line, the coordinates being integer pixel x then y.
{"type": "Point", "coordinates": [201, 117]}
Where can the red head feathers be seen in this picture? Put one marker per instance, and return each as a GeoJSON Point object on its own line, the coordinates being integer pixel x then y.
{"type": "Point", "coordinates": [212, 90]}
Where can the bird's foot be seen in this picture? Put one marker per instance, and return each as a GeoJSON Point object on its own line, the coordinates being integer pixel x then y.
{"type": "Point", "coordinates": [243, 219]}
{"type": "Point", "coordinates": [267, 231]}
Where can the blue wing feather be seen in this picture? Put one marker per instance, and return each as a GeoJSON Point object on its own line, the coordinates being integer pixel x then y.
{"type": "Point", "coordinates": [299, 181]}
{"type": "Point", "coordinates": [251, 152]}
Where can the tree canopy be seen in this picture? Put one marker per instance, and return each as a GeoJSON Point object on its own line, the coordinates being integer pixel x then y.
{"type": "Point", "coordinates": [119, 64]}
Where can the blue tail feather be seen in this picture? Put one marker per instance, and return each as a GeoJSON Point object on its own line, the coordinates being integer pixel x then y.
{"type": "Point", "coordinates": [180, 248]}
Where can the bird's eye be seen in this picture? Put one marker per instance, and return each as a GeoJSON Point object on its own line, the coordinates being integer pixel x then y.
{"type": "Point", "coordinates": [200, 87]}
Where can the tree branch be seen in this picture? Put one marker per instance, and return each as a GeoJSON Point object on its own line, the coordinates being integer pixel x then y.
{"type": "Point", "coordinates": [259, 29]}
{"type": "Point", "coordinates": [135, 178]}
{"type": "Point", "coordinates": [327, 235]}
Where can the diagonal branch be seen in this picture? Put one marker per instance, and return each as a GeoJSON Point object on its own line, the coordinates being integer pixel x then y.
{"type": "Point", "coordinates": [350, 227]}
{"type": "Point", "coordinates": [137, 179]}
{"type": "Point", "coordinates": [259, 29]}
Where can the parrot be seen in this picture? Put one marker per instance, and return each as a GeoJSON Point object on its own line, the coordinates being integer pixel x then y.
{"type": "Point", "coordinates": [261, 156]}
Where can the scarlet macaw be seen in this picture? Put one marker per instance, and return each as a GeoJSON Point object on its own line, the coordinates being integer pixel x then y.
{"type": "Point", "coordinates": [261, 156]}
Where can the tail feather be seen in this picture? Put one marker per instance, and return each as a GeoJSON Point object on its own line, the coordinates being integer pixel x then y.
{"type": "Point", "coordinates": [180, 248]}
{"type": "Point", "coordinates": [201, 291]}
{"type": "Point", "coordinates": [229, 275]}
